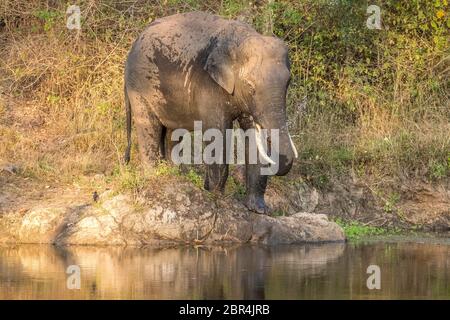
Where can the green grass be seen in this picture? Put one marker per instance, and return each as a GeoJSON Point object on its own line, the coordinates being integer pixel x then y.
{"type": "Point", "coordinates": [278, 213]}
{"type": "Point", "coordinates": [134, 178]}
{"type": "Point", "coordinates": [235, 188]}
{"type": "Point", "coordinates": [195, 178]}
{"type": "Point", "coordinates": [355, 230]}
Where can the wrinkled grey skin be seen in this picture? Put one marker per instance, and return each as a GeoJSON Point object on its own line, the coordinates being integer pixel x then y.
{"type": "Point", "coordinates": [196, 66]}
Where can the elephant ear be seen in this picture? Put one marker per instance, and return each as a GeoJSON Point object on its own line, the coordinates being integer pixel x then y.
{"type": "Point", "coordinates": [219, 67]}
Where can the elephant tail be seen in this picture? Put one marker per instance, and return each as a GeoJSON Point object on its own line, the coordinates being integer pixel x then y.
{"type": "Point", "coordinates": [128, 112]}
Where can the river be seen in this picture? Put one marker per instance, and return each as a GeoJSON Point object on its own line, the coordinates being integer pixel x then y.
{"type": "Point", "coordinates": [408, 270]}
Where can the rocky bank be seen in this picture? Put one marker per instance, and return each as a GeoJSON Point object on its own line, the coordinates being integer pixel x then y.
{"type": "Point", "coordinates": [172, 210]}
{"type": "Point", "coordinates": [173, 213]}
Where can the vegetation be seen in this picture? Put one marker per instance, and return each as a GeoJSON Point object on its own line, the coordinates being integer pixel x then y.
{"type": "Point", "coordinates": [355, 230]}
{"type": "Point", "coordinates": [368, 102]}
{"type": "Point", "coordinates": [130, 178]}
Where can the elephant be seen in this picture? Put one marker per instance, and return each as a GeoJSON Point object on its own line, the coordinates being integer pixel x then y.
{"type": "Point", "coordinates": [200, 67]}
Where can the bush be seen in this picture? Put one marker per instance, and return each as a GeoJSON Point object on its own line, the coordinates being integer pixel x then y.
{"type": "Point", "coordinates": [364, 100]}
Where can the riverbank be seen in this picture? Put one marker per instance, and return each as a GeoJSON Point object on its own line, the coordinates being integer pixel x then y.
{"type": "Point", "coordinates": [418, 237]}
{"type": "Point", "coordinates": [369, 111]}
{"type": "Point", "coordinates": [168, 211]}
{"type": "Point", "coordinates": [169, 206]}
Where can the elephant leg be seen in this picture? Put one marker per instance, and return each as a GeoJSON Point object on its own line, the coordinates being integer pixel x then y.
{"type": "Point", "coordinates": [149, 130]}
{"type": "Point", "coordinates": [255, 188]}
{"type": "Point", "coordinates": [255, 182]}
{"type": "Point", "coordinates": [217, 173]}
{"type": "Point", "coordinates": [216, 177]}
{"type": "Point", "coordinates": [168, 144]}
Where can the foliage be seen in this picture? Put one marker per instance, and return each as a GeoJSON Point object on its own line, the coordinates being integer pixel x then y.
{"type": "Point", "coordinates": [375, 102]}
{"type": "Point", "coordinates": [371, 102]}
{"type": "Point", "coordinates": [391, 202]}
{"type": "Point", "coordinates": [49, 17]}
{"type": "Point", "coordinates": [195, 178]}
{"type": "Point", "coordinates": [355, 230]}
{"type": "Point", "coordinates": [235, 188]}
{"type": "Point", "coordinates": [129, 179]}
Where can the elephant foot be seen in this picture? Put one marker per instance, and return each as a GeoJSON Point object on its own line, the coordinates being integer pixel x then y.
{"type": "Point", "coordinates": [256, 204]}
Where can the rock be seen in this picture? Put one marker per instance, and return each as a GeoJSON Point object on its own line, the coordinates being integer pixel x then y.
{"type": "Point", "coordinates": [291, 198]}
{"type": "Point", "coordinates": [39, 225]}
{"type": "Point", "coordinates": [308, 196]}
{"type": "Point", "coordinates": [89, 223]}
{"type": "Point", "coordinates": [118, 207]}
{"type": "Point", "coordinates": [168, 216]}
{"type": "Point", "coordinates": [9, 167]}
{"type": "Point", "coordinates": [298, 228]}
{"type": "Point", "coordinates": [162, 217]}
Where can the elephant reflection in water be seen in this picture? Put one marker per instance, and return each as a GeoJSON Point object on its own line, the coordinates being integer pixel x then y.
{"type": "Point", "coordinates": [245, 272]}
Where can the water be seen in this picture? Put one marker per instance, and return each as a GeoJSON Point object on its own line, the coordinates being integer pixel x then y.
{"type": "Point", "coordinates": [331, 271]}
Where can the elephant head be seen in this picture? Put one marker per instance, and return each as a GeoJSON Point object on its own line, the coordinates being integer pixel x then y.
{"type": "Point", "coordinates": [256, 73]}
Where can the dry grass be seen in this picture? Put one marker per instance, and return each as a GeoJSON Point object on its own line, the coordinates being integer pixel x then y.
{"type": "Point", "coordinates": [61, 99]}
{"type": "Point", "coordinates": [396, 132]}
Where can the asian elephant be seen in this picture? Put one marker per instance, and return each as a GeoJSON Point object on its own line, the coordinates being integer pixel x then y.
{"type": "Point", "coordinates": [199, 67]}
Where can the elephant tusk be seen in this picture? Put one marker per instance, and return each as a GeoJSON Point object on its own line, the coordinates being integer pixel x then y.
{"type": "Point", "coordinates": [293, 147]}
{"type": "Point", "coordinates": [260, 147]}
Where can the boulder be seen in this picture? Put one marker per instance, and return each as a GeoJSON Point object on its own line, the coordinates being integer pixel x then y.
{"type": "Point", "coordinates": [160, 218]}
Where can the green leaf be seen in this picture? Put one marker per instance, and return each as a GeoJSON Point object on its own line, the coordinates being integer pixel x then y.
{"type": "Point", "coordinates": [434, 25]}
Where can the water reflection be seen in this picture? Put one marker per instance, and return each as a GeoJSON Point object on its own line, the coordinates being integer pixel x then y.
{"type": "Point", "coordinates": [246, 272]}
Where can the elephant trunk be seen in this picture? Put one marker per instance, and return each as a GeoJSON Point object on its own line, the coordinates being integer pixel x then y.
{"type": "Point", "coordinates": [287, 151]}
